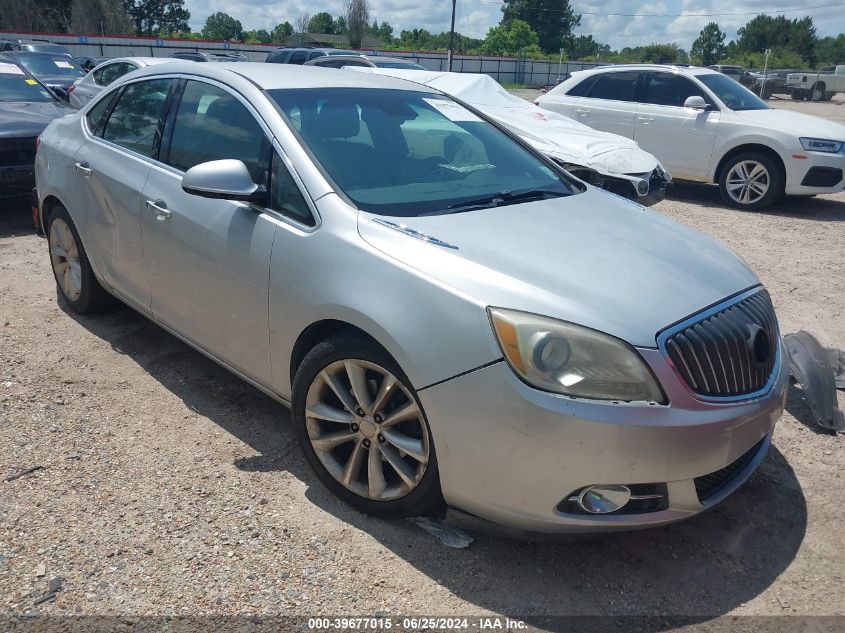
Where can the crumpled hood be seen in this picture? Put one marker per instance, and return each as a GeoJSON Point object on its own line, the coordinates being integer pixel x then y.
{"type": "Point", "coordinates": [796, 123]}
{"type": "Point", "coordinates": [552, 134]}
{"type": "Point", "coordinates": [591, 258]}
{"type": "Point", "coordinates": [24, 119]}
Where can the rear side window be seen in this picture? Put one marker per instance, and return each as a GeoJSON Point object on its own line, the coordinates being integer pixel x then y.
{"type": "Point", "coordinates": [582, 88]}
{"type": "Point", "coordinates": [667, 89]}
{"type": "Point", "coordinates": [95, 114]}
{"type": "Point", "coordinates": [212, 124]}
{"type": "Point", "coordinates": [135, 119]}
{"type": "Point", "coordinates": [278, 57]}
{"type": "Point", "coordinates": [298, 57]}
{"type": "Point", "coordinates": [107, 74]}
{"type": "Point", "coordinates": [620, 86]}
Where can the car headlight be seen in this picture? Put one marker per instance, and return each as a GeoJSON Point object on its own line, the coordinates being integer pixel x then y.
{"type": "Point", "coordinates": [821, 145]}
{"type": "Point", "coordinates": [572, 360]}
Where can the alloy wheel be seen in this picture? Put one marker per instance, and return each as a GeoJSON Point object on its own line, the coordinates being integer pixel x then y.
{"type": "Point", "coordinates": [748, 182]}
{"type": "Point", "coordinates": [367, 429]}
{"type": "Point", "coordinates": [64, 256]}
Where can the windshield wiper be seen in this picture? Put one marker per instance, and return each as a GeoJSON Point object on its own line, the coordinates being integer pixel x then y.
{"type": "Point", "coordinates": [499, 199]}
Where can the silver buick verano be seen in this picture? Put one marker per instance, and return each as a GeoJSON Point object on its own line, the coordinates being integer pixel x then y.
{"type": "Point", "coordinates": [453, 319]}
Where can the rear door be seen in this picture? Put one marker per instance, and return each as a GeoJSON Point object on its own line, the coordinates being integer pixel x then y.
{"type": "Point", "coordinates": [681, 138]}
{"type": "Point", "coordinates": [209, 260]}
{"type": "Point", "coordinates": [610, 103]}
{"type": "Point", "coordinates": [111, 169]}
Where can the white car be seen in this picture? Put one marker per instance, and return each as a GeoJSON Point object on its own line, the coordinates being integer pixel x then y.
{"type": "Point", "coordinates": [89, 86]}
{"type": "Point", "coordinates": [706, 127]}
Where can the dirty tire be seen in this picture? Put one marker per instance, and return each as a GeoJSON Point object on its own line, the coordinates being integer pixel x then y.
{"type": "Point", "coordinates": [339, 357]}
{"type": "Point", "coordinates": [80, 289]}
{"type": "Point", "coordinates": [747, 162]}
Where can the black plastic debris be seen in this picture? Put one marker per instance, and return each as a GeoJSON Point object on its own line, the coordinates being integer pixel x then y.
{"type": "Point", "coordinates": [810, 366]}
{"type": "Point", "coordinates": [837, 361]}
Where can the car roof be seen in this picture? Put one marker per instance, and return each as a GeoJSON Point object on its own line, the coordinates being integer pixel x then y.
{"type": "Point", "coordinates": [31, 53]}
{"type": "Point", "coordinates": [283, 76]}
{"type": "Point", "coordinates": [691, 70]}
{"type": "Point", "coordinates": [147, 61]}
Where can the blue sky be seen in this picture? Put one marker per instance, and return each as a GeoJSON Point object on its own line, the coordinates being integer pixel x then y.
{"type": "Point", "coordinates": [474, 17]}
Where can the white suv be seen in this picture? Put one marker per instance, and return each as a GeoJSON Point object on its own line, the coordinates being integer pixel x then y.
{"type": "Point", "coordinates": [706, 127]}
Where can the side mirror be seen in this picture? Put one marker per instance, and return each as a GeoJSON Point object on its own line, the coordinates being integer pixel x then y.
{"type": "Point", "coordinates": [696, 103]}
{"type": "Point", "coordinates": [223, 179]}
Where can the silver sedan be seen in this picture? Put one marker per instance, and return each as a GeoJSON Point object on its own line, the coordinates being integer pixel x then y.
{"type": "Point", "coordinates": [453, 319]}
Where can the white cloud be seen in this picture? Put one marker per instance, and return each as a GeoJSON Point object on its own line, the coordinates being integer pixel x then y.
{"type": "Point", "coordinates": [475, 17]}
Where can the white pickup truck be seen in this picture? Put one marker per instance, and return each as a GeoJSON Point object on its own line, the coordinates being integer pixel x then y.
{"type": "Point", "coordinates": [820, 86]}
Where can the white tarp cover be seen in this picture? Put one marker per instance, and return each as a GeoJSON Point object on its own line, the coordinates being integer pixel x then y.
{"type": "Point", "coordinates": [553, 134]}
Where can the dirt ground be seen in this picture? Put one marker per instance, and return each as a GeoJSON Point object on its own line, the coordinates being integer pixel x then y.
{"type": "Point", "coordinates": [169, 487]}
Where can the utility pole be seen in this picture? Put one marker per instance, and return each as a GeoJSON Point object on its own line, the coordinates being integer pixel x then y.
{"type": "Point", "coordinates": [765, 73]}
{"type": "Point", "coordinates": [452, 36]}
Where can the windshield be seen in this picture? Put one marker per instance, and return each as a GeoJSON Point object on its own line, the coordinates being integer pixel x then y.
{"type": "Point", "coordinates": [44, 65]}
{"type": "Point", "coordinates": [732, 93]}
{"type": "Point", "coordinates": [402, 65]}
{"type": "Point", "coordinates": [407, 153]}
{"type": "Point", "coordinates": [15, 85]}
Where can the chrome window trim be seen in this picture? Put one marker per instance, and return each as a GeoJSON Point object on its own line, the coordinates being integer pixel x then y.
{"type": "Point", "coordinates": [664, 335]}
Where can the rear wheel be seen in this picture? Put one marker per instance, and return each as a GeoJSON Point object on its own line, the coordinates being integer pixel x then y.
{"type": "Point", "coordinates": [363, 430]}
{"type": "Point", "coordinates": [74, 278]}
{"type": "Point", "coordinates": [817, 92]}
{"type": "Point", "coordinates": [751, 181]}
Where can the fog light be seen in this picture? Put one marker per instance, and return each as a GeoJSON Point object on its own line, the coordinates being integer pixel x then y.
{"type": "Point", "coordinates": [642, 187]}
{"type": "Point", "coordinates": [604, 499]}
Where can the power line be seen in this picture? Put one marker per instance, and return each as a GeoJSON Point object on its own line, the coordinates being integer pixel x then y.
{"type": "Point", "coordinates": [678, 15]}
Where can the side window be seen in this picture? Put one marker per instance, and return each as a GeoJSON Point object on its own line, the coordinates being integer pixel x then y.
{"type": "Point", "coordinates": [618, 86]}
{"type": "Point", "coordinates": [134, 120]}
{"type": "Point", "coordinates": [315, 55]}
{"type": "Point", "coordinates": [298, 57]}
{"type": "Point", "coordinates": [582, 88]}
{"type": "Point", "coordinates": [667, 89]}
{"type": "Point", "coordinates": [285, 196]}
{"type": "Point", "coordinates": [212, 124]}
{"type": "Point", "coordinates": [96, 113]}
{"type": "Point", "coordinates": [107, 74]}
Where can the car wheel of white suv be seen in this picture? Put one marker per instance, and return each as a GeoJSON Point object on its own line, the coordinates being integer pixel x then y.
{"type": "Point", "coordinates": [751, 181]}
{"type": "Point", "coordinates": [363, 430]}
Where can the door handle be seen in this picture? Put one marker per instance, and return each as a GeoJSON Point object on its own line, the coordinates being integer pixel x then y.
{"type": "Point", "coordinates": [83, 169]}
{"type": "Point", "coordinates": [159, 208]}
{"type": "Point", "coordinates": [582, 113]}
{"type": "Point", "coordinates": [645, 120]}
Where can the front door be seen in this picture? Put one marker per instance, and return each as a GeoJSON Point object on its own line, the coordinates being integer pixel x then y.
{"type": "Point", "coordinates": [209, 259]}
{"type": "Point", "coordinates": [681, 138]}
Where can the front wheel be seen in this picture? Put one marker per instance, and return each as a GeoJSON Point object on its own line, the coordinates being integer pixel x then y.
{"type": "Point", "coordinates": [363, 430]}
{"type": "Point", "coordinates": [751, 181]}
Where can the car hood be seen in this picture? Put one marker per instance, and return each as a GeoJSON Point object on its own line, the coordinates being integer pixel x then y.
{"type": "Point", "coordinates": [591, 258]}
{"type": "Point", "coordinates": [62, 81]}
{"type": "Point", "coordinates": [554, 135]}
{"type": "Point", "coordinates": [796, 123]}
{"type": "Point", "coordinates": [25, 119]}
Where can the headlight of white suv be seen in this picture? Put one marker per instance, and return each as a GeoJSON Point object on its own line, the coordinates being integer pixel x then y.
{"type": "Point", "coordinates": [820, 145]}
{"type": "Point", "coordinates": [572, 360]}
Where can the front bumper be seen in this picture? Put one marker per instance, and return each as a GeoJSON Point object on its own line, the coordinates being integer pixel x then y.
{"type": "Point", "coordinates": [16, 180]}
{"type": "Point", "coordinates": [817, 173]}
{"type": "Point", "coordinates": [509, 453]}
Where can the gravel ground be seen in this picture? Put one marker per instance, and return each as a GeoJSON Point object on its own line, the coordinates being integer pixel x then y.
{"type": "Point", "coordinates": [170, 487]}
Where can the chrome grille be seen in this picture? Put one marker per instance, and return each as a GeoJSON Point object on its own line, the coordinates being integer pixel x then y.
{"type": "Point", "coordinates": [729, 353]}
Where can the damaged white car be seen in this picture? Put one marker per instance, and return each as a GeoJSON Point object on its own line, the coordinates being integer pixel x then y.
{"type": "Point", "coordinates": [602, 159]}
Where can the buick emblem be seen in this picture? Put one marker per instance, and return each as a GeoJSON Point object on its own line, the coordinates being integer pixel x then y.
{"type": "Point", "coordinates": [757, 341]}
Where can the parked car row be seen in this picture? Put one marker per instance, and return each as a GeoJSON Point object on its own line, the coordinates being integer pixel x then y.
{"type": "Point", "coordinates": [454, 319]}
{"type": "Point", "coordinates": [706, 127]}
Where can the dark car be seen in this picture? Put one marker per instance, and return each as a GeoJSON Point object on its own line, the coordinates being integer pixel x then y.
{"type": "Point", "coordinates": [198, 56]}
{"type": "Point", "coordinates": [26, 107]}
{"type": "Point", "coordinates": [55, 70]}
{"type": "Point", "coordinates": [775, 83]}
{"type": "Point", "coordinates": [90, 63]}
{"type": "Point", "coordinates": [32, 46]}
{"type": "Point", "coordinates": [303, 54]}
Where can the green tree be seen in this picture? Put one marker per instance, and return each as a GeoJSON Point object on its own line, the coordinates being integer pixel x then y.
{"type": "Point", "coordinates": [551, 20]}
{"type": "Point", "coordinates": [357, 17]}
{"type": "Point", "coordinates": [585, 47]}
{"type": "Point", "coordinates": [281, 32]}
{"type": "Point", "coordinates": [321, 23]}
{"type": "Point", "coordinates": [100, 16]}
{"type": "Point", "coordinates": [340, 25]}
{"type": "Point", "coordinates": [385, 32]}
{"type": "Point", "coordinates": [831, 50]}
{"type": "Point", "coordinates": [156, 16]}
{"type": "Point", "coordinates": [802, 39]}
{"type": "Point", "coordinates": [515, 38]}
{"type": "Point", "coordinates": [260, 36]}
{"type": "Point", "coordinates": [709, 46]}
{"type": "Point", "coordinates": [222, 26]}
